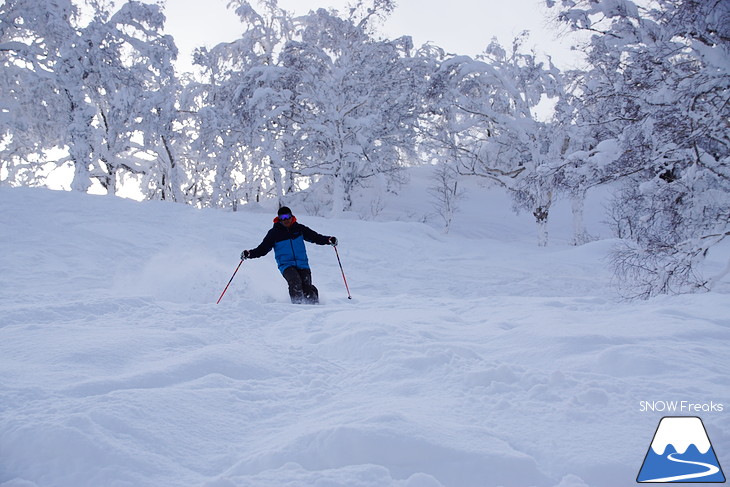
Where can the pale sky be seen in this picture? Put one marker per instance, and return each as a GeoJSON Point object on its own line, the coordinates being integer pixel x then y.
{"type": "Point", "coordinates": [462, 27]}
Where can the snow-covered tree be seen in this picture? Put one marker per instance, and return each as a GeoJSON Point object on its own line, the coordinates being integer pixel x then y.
{"type": "Point", "coordinates": [357, 102]}
{"type": "Point", "coordinates": [165, 138]}
{"type": "Point", "coordinates": [32, 36]}
{"type": "Point", "coordinates": [587, 154]}
{"type": "Point", "coordinates": [245, 107]}
{"type": "Point", "coordinates": [129, 78]}
{"type": "Point", "coordinates": [663, 75]}
{"type": "Point", "coordinates": [84, 88]}
{"type": "Point", "coordinates": [309, 102]}
{"type": "Point", "coordinates": [490, 126]}
{"type": "Point", "coordinates": [446, 192]}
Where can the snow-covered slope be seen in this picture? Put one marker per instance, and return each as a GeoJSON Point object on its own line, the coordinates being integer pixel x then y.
{"type": "Point", "coordinates": [469, 359]}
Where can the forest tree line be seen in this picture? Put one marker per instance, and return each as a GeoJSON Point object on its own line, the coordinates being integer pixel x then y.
{"type": "Point", "coordinates": [320, 110]}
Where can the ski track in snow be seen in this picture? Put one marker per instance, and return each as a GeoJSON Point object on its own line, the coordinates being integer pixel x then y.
{"type": "Point", "coordinates": [711, 470]}
{"type": "Point", "coordinates": [460, 361]}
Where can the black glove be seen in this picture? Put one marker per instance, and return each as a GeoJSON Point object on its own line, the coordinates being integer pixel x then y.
{"type": "Point", "coordinates": [246, 254]}
{"type": "Point", "coordinates": [333, 241]}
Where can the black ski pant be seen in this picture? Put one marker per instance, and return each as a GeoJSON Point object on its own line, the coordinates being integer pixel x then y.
{"type": "Point", "coordinates": [301, 289]}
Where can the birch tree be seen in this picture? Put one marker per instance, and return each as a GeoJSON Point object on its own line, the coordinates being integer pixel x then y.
{"type": "Point", "coordinates": [357, 103]}
{"type": "Point", "coordinates": [488, 122]}
{"type": "Point", "coordinates": [664, 73]}
{"type": "Point", "coordinates": [86, 88]}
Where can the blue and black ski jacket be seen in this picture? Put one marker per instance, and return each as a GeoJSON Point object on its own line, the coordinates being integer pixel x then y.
{"type": "Point", "coordinates": [288, 244]}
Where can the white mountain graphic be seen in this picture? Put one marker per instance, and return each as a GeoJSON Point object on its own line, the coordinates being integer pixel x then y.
{"type": "Point", "coordinates": [681, 432]}
{"type": "Point", "coordinates": [680, 451]}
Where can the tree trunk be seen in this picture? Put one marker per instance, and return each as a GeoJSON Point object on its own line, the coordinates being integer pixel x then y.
{"type": "Point", "coordinates": [278, 181]}
{"type": "Point", "coordinates": [338, 195]}
{"type": "Point", "coordinates": [541, 214]}
{"type": "Point", "coordinates": [82, 176]}
{"type": "Point", "coordinates": [580, 235]}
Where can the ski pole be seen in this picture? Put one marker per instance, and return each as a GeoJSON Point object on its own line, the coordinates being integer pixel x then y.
{"type": "Point", "coordinates": [343, 272]}
{"type": "Point", "coordinates": [229, 282]}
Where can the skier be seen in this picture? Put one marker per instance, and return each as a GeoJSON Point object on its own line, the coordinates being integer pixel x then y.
{"type": "Point", "coordinates": [287, 238]}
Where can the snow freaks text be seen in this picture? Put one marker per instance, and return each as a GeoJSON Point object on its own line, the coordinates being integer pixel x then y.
{"type": "Point", "coordinates": [680, 407]}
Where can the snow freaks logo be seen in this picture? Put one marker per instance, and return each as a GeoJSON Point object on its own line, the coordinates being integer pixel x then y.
{"type": "Point", "coordinates": [680, 452]}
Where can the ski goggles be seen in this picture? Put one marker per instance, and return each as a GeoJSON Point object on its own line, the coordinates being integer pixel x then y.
{"type": "Point", "coordinates": [284, 217]}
